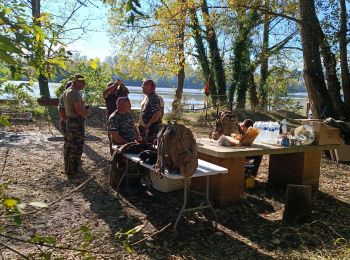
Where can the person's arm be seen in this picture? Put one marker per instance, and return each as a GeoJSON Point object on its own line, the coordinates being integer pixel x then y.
{"type": "Point", "coordinates": [62, 113]}
{"type": "Point", "coordinates": [116, 138]}
{"type": "Point", "coordinates": [138, 136]}
{"type": "Point", "coordinates": [156, 115]}
{"type": "Point", "coordinates": [80, 109]}
{"type": "Point", "coordinates": [110, 89]}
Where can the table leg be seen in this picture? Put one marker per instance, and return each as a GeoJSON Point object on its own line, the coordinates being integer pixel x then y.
{"type": "Point", "coordinates": [297, 168]}
{"type": "Point", "coordinates": [224, 188]}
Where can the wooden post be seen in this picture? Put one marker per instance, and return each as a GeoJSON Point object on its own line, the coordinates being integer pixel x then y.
{"type": "Point", "coordinates": [298, 203]}
{"type": "Point", "coordinates": [224, 188]}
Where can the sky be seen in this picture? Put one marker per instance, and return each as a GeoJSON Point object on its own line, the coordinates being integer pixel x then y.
{"type": "Point", "coordinates": [95, 43]}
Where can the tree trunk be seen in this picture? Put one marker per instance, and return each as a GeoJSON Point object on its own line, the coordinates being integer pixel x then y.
{"type": "Point", "coordinates": [44, 86]}
{"type": "Point", "coordinates": [330, 65]}
{"type": "Point", "coordinates": [241, 65]}
{"type": "Point", "coordinates": [313, 71]}
{"type": "Point", "coordinates": [253, 95]}
{"type": "Point", "coordinates": [202, 57]}
{"type": "Point", "coordinates": [298, 203]}
{"type": "Point", "coordinates": [344, 66]}
{"type": "Point", "coordinates": [176, 105]}
{"type": "Point", "coordinates": [264, 67]}
{"type": "Point", "coordinates": [216, 61]}
{"type": "Point", "coordinates": [242, 85]}
{"type": "Point", "coordinates": [40, 52]}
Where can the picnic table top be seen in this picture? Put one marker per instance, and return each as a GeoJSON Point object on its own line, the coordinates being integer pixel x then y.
{"type": "Point", "coordinates": [211, 147]}
{"type": "Point", "coordinates": [204, 168]}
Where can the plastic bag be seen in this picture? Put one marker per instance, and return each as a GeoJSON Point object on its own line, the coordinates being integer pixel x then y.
{"type": "Point", "coordinates": [304, 134]}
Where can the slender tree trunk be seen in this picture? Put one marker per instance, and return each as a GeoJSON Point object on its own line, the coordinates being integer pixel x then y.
{"type": "Point", "coordinates": [264, 68]}
{"type": "Point", "coordinates": [40, 52]}
{"type": "Point", "coordinates": [202, 57]}
{"type": "Point", "coordinates": [242, 85]}
{"type": "Point", "coordinates": [313, 71]}
{"type": "Point", "coordinates": [344, 66]}
{"type": "Point", "coordinates": [176, 105]}
{"type": "Point", "coordinates": [216, 61]}
{"type": "Point", "coordinates": [333, 83]}
{"type": "Point", "coordinates": [253, 95]}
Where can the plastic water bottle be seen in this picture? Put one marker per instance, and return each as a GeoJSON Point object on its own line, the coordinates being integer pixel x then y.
{"type": "Point", "coordinates": [265, 132]}
{"type": "Point", "coordinates": [270, 131]}
{"type": "Point", "coordinates": [284, 126]}
{"type": "Point", "coordinates": [257, 124]}
{"type": "Point", "coordinates": [276, 132]}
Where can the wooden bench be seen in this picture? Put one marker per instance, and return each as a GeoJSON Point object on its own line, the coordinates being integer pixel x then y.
{"type": "Point", "coordinates": [18, 115]}
{"type": "Point", "coordinates": [204, 169]}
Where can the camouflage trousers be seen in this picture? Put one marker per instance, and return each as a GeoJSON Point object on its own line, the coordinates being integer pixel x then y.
{"type": "Point", "coordinates": [73, 145]}
{"type": "Point", "coordinates": [151, 135]}
{"type": "Point", "coordinates": [63, 129]}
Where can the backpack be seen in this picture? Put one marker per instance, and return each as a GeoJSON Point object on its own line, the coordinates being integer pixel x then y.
{"type": "Point", "coordinates": [226, 123]}
{"type": "Point", "coordinates": [177, 150]}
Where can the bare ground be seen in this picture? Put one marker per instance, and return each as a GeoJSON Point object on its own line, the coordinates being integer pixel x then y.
{"type": "Point", "coordinates": [31, 161]}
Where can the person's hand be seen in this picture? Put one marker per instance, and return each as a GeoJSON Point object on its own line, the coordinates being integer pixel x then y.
{"type": "Point", "coordinates": [139, 139]}
{"type": "Point", "coordinates": [117, 82]}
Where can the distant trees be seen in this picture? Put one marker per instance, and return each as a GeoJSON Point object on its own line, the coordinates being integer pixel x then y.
{"type": "Point", "coordinates": [35, 40]}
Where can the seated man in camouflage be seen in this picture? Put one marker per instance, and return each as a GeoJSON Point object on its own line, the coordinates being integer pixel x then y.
{"type": "Point", "coordinates": [121, 125]}
{"type": "Point", "coordinates": [122, 130]}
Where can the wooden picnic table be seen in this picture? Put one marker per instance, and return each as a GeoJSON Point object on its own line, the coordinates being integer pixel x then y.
{"type": "Point", "coordinates": [287, 165]}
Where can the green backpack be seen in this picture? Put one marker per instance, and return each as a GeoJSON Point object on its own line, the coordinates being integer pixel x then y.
{"type": "Point", "coordinates": [177, 150]}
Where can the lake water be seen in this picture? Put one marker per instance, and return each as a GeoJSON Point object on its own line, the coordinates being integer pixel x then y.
{"type": "Point", "coordinates": [190, 97]}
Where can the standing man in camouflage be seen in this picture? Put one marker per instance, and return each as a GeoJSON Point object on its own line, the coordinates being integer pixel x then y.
{"type": "Point", "coordinates": [113, 91]}
{"type": "Point", "coordinates": [152, 111]}
{"type": "Point", "coordinates": [76, 113]}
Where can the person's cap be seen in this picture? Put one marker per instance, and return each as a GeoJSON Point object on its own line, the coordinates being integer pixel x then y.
{"type": "Point", "coordinates": [79, 77]}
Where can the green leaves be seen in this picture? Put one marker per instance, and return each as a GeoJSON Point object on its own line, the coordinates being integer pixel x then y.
{"type": "Point", "coordinates": [125, 237]}
{"type": "Point", "coordinates": [128, 6]}
{"type": "Point", "coordinates": [7, 45]}
{"type": "Point", "coordinates": [4, 120]}
{"type": "Point", "coordinates": [39, 239]}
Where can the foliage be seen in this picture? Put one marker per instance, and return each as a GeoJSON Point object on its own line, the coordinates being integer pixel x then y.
{"type": "Point", "coordinates": [24, 41]}
{"type": "Point", "coordinates": [278, 82]}
{"type": "Point", "coordinates": [152, 43]}
{"type": "Point", "coordinates": [97, 75]}
{"type": "Point", "coordinates": [19, 92]}
{"type": "Point", "coordinates": [125, 237]}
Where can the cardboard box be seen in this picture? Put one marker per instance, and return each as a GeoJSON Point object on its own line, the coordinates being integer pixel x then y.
{"type": "Point", "coordinates": [342, 154]}
{"type": "Point", "coordinates": [324, 134]}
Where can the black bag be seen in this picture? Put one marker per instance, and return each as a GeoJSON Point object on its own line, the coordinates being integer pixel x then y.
{"type": "Point", "coordinates": [149, 156]}
{"type": "Point", "coordinates": [131, 147]}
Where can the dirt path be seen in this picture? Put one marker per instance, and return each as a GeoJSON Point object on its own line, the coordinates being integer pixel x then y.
{"type": "Point", "coordinates": [31, 161]}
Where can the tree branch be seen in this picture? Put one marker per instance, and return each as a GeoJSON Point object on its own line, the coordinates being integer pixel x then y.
{"type": "Point", "coordinates": [52, 203]}
{"type": "Point", "coordinates": [14, 250]}
{"type": "Point", "coordinates": [260, 8]}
